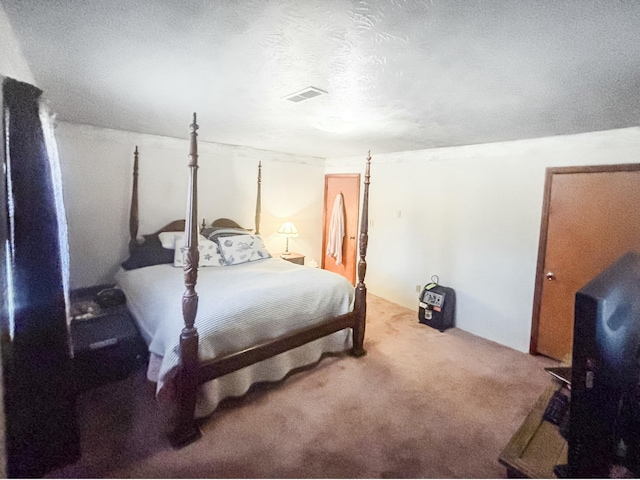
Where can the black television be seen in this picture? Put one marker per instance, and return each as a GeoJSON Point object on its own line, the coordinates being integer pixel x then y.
{"type": "Point", "coordinates": [604, 415]}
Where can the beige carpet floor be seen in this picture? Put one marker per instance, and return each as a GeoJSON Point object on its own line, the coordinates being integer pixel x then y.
{"type": "Point", "coordinates": [421, 404]}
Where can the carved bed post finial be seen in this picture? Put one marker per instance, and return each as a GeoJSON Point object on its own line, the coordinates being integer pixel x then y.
{"type": "Point", "coordinates": [259, 198]}
{"type": "Point", "coordinates": [133, 213]}
{"type": "Point", "coordinates": [186, 430]}
{"type": "Point", "coordinates": [360, 305]}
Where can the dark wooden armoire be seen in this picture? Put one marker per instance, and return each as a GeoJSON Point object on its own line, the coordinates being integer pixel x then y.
{"type": "Point", "coordinates": [39, 393]}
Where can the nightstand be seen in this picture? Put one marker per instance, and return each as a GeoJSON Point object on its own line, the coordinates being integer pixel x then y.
{"type": "Point", "coordinates": [293, 258]}
{"type": "Point", "coordinates": [106, 343]}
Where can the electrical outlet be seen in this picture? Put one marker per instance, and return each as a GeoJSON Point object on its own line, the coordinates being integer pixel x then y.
{"type": "Point", "coordinates": [418, 288]}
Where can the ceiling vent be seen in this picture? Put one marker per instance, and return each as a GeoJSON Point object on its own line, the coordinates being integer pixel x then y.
{"type": "Point", "coordinates": [305, 94]}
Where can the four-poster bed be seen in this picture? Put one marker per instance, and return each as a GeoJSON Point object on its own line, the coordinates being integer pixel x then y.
{"type": "Point", "coordinates": [256, 320]}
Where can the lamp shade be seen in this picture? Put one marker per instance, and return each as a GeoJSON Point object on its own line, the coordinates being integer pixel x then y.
{"type": "Point", "coordinates": [288, 229]}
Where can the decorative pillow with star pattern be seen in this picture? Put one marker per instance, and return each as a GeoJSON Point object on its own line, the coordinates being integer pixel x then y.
{"type": "Point", "coordinates": [209, 253]}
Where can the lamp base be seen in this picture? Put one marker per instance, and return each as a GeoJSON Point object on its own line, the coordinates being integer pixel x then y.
{"type": "Point", "coordinates": [285, 254]}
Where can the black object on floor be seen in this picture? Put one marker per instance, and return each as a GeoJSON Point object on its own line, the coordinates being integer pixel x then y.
{"type": "Point", "coordinates": [556, 408]}
{"type": "Point", "coordinates": [437, 306]}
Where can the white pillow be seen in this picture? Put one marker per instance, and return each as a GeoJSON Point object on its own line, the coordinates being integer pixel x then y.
{"type": "Point", "coordinates": [209, 253]}
{"type": "Point", "coordinates": [169, 239]}
{"type": "Point", "coordinates": [242, 248]}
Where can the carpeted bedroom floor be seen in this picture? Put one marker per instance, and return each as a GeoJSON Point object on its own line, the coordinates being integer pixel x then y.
{"type": "Point", "coordinates": [420, 404]}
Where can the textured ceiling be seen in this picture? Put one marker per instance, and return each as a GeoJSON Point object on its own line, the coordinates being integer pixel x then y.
{"type": "Point", "coordinates": [400, 74]}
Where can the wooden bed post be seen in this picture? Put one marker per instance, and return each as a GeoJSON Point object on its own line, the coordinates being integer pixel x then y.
{"type": "Point", "coordinates": [187, 382]}
{"type": "Point", "coordinates": [133, 213]}
{"type": "Point", "coordinates": [258, 199]}
{"type": "Point", "coordinates": [360, 305]}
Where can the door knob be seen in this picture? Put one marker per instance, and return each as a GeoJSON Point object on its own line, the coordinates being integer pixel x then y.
{"type": "Point", "coordinates": [352, 238]}
{"type": "Point", "coordinates": [550, 276]}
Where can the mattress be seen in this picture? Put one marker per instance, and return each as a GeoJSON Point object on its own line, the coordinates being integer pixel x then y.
{"type": "Point", "coordinates": [239, 306]}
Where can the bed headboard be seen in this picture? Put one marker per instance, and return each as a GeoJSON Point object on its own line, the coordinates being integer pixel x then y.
{"type": "Point", "coordinates": [179, 225]}
{"type": "Point", "coordinates": [175, 226]}
{"type": "Point", "coordinates": [225, 223]}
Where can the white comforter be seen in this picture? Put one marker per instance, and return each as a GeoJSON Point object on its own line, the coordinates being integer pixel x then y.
{"type": "Point", "coordinates": [239, 306]}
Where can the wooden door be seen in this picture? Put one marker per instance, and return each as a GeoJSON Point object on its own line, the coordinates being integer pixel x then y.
{"type": "Point", "coordinates": [349, 186]}
{"type": "Point", "coordinates": [591, 217]}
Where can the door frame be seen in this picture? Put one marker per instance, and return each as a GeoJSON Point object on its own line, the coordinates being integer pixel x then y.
{"type": "Point", "coordinates": [325, 212]}
{"type": "Point", "coordinates": [544, 224]}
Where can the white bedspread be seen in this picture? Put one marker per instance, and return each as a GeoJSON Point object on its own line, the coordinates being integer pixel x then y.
{"type": "Point", "coordinates": [239, 306]}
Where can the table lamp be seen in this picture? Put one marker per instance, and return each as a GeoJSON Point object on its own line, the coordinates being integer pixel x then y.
{"type": "Point", "coordinates": [288, 229]}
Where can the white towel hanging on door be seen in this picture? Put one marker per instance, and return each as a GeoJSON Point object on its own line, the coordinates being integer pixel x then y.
{"type": "Point", "coordinates": [336, 230]}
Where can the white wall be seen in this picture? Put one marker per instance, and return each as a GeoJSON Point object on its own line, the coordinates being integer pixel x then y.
{"type": "Point", "coordinates": [12, 61]}
{"type": "Point", "coordinates": [97, 180]}
{"type": "Point", "coordinates": [471, 215]}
